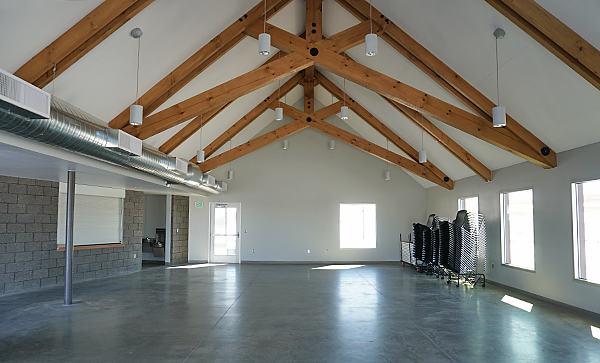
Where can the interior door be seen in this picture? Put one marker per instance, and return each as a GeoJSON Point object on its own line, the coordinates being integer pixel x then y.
{"type": "Point", "coordinates": [225, 232]}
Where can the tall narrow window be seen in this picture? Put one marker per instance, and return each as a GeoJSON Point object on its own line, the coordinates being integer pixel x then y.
{"type": "Point", "coordinates": [357, 226]}
{"type": "Point", "coordinates": [470, 204]}
{"type": "Point", "coordinates": [586, 235]}
{"type": "Point", "coordinates": [517, 229]}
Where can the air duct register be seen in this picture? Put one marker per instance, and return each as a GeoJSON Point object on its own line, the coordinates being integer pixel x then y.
{"type": "Point", "coordinates": [178, 165]}
{"type": "Point", "coordinates": [209, 180]}
{"type": "Point", "coordinates": [122, 141]}
{"type": "Point", "coordinates": [22, 98]}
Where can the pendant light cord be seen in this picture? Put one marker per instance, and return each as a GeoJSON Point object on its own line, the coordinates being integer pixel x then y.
{"type": "Point", "coordinates": [422, 133]}
{"type": "Point", "coordinates": [265, 22]}
{"type": "Point", "coordinates": [387, 146]}
{"type": "Point", "coordinates": [344, 91]}
{"type": "Point", "coordinates": [137, 80]}
{"type": "Point", "coordinates": [497, 74]}
{"type": "Point", "coordinates": [279, 89]}
{"type": "Point", "coordinates": [201, 131]}
{"type": "Point", "coordinates": [371, 14]}
{"type": "Point", "coordinates": [230, 150]}
{"type": "Point", "coordinates": [53, 78]}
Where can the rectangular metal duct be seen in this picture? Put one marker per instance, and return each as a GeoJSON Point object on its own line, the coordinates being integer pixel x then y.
{"type": "Point", "coordinates": [120, 140]}
{"type": "Point", "coordinates": [22, 98]}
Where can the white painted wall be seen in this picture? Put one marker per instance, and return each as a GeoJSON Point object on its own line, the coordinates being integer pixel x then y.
{"type": "Point", "coordinates": [154, 213]}
{"type": "Point", "coordinates": [554, 275]}
{"type": "Point", "coordinates": [290, 202]}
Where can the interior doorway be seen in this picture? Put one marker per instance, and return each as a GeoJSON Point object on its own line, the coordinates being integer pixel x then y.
{"type": "Point", "coordinates": [225, 224]}
{"type": "Point", "coordinates": [154, 228]}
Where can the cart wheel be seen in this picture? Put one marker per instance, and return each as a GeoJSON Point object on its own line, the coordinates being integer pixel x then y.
{"type": "Point", "coordinates": [483, 285]}
{"type": "Point", "coordinates": [457, 285]}
{"type": "Point", "coordinates": [448, 282]}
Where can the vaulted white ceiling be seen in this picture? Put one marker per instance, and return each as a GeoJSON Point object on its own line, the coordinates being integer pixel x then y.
{"type": "Point", "coordinates": [539, 91]}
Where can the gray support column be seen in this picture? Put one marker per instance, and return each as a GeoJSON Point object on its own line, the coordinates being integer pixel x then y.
{"type": "Point", "coordinates": [69, 238]}
{"type": "Point", "coordinates": [168, 230]}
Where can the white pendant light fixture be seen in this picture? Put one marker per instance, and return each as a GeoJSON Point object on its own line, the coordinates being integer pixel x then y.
{"type": "Point", "coordinates": [331, 144]}
{"type": "Point", "coordinates": [264, 39]}
{"type": "Point", "coordinates": [371, 38]}
{"type": "Point", "coordinates": [344, 110]}
{"type": "Point", "coordinates": [200, 152]}
{"type": "Point", "coordinates": [498, 112]}
{"type": "Point", "coordinates": [136, 112]}
{"type": "Point", "coordinates": [230, 172]}
{"type": "Point", "coordinates": [422, 153]}
{"type": "Point", "coordinates": [388, 176]}
{"type": "Point", "coordinates": [279, 110]}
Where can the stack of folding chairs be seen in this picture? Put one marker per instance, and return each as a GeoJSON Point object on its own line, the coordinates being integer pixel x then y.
{"type": "Point", "coordinates": [454, 250]}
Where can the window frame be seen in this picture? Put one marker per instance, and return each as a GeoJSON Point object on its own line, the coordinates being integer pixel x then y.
{"type": "Point", "coordinates": [505, 229]}
{"type": "Point", "coordinates": [462, 199]}
{"type": "Point", "coordinates": [340, 227]}
{"type": "Point", "coordinates": [578, 225]}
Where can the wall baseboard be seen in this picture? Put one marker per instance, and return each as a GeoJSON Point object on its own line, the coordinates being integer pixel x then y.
{"type": "Point", "coordinates": [571, 308]}
{"type": "Point", "coordinates": [320, 262]}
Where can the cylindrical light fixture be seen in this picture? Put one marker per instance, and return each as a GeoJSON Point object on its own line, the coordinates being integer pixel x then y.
{"type": "Point", "coordinates": [388, 176]}
{"type": "Point", "coordinates": [499, 116]}
{"type": "Point", "coordinates": [422, 156]}
{"type": "Point", "coordinates": [371, 44]}
{"type": "Point", "coordinates": [285, 144]}
{"type": "Point", "coordinates": [498, 112]}
{"type": "Point", "coordinates": [136, 112]}
{"type": "Point", "coordinates": [200, 156]}
{"type": "Point", "coordinates": [264, 44]}
{"type": "Point", "coordinates": [331, 144]}
{"type": "Point", "coordinates": [344, 113]}
{"type": "Point", "coordinates": [230, 175]}
{"type": "Point", "coordinates": [279, 114]}
{"type": "Point", "coordinates": [136, 115]}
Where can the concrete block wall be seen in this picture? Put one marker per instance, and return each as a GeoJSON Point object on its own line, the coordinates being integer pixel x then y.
{"type": "Point", "coordinates": [29, 258]}
{"type": "Point", "coordinates": [179, 233]}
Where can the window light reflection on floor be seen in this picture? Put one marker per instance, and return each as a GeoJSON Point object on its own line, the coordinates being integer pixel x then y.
{"type": "Point", "coordinates": [187, 267]}
{"type": "Point", "coordinates": [338, 267]}
{"type": "Point", "coordinates": [523, 305]}
{"type": "Point", "coordinates": [595, 332]}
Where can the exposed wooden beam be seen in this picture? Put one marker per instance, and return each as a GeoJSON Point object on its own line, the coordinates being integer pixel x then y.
{"type": "Point", "coordinates": [309, 90]}
{"type": "Point", "coordinates": [79, 40]}
{"type": "Point", "coordinates": [351, 37]}
{"type": "Point", "coordinates": [381, 128]}
{"type": "Point", "coordinates": [404, 94]}
{"type": "Point", "coordinates": [446, 77]}
{"type": "Point", "coordinates": [252, 145]}
{"type": "Point", "coordinates": [219, 95]}
{"type": "Point", "coordinates": [314, 20]}
{"type": "Point", "coordinates": [448, 143]}
{"type": "Point", "coordinates": [190, 129]}
{"type": "Point", "coordinates": [452, 146]}
{"type": "Point", "coordinates": [329, 111]}
{"type": "Point", "coordinates": [379, 152]}
{"type": "Point", "coordinates": [195, 125]}
{"type": "Point", "coordinates": [197, 63]}
{"type": "Point", "coordinates": [249, 117]}
{"type": "Point", "coordinates": [554, 35]}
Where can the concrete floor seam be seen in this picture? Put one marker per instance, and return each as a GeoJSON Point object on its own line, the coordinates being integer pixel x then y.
{"type": "Point", "coordinates": [225, 313]}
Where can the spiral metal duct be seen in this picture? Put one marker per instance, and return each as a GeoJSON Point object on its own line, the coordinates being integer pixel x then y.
{"type": "Point", "coordinates": [71, 129]}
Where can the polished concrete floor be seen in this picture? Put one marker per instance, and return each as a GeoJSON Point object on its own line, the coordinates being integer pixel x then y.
{"type": "Point", "coordinates": [279, 313]}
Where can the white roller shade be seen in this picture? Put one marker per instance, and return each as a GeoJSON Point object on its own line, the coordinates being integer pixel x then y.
{"type": "Point", "coordinates": [97, 219]}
